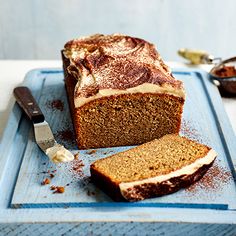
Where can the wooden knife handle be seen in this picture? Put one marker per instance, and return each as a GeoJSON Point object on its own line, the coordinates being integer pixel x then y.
{"type": "Point", "coordinates": [27, 102]}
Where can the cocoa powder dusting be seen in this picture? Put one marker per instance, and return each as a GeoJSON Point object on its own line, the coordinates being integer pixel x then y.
{"type": "Point", "coordinates": [190, 132]}
{"type": "Point", "coordinates": [66, 135]}
{"type": "Point", "coordinates": [77, 168]}
{"type": "Point", "coordinates": [55, 105]}
{"type": "Point", "coordinates": [213, 180]}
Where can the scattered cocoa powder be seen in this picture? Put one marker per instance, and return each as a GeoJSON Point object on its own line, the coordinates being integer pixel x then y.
{"type": "Point", "coordinates": [91, 152]}
{"type": "Point", "coordinates": [46, 181]}
{"type": "Point", "coordinates": [190, 132]}
{"type": "Point", "coordinates": [213, 180]}
{"type": "Point", "coordinates": [55, 104]}
{"type": "Point", "coordinates": [65, 135]}
{"type": "Point", "coordinates": [77, 168]}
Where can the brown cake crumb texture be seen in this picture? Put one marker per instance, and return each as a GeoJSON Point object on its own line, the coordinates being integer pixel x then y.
{"type": "Point", "coordinates": [127, 120]}
{"type": "Point", "coordinates": [158, 157]}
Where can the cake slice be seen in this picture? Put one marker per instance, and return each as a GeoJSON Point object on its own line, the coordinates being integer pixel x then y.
{"type": "Point", "coordinates": [120, 91]}
{"type": "Point", "coordinates": [153, 169]}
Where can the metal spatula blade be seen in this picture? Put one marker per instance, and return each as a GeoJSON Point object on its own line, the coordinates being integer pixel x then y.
{"type": "Point", "coordinates": [44, 136]}
{"type": "Point", "coordinates": [43, 133]}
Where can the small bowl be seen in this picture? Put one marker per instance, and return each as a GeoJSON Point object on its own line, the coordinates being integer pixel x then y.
{"type": "Point", "coordinates": [224, 76]}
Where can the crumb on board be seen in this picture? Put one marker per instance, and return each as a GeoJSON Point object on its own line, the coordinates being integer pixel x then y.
{"type": "Point", "coordinates": [91, 152]}
{"type": "Point", "coordinates": [76, 156]}
{"type": "Point", "coordinates": [53, 187]}
{"type": "Point", "coordinates": [52, 175]}
{"type": "Point", "coordinates": [90, 193]}
{"type": "Point", "coordinates": [45, 181]}
{"type": "Point", "coordinates": [59, 189]}
{"type": "Point", "coordinates": [55, 105]}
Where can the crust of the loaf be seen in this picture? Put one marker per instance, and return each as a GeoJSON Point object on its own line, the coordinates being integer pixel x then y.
{"type": "Point", "coordinates": [70, 83]}
{"type": "Point", "coordinates": [110, 187]}
{"type": "Point", "coordinates": [147, 190]}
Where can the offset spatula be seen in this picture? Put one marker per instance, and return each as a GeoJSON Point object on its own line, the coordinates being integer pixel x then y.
{"type": "Point", "coordinates": [43, 133]}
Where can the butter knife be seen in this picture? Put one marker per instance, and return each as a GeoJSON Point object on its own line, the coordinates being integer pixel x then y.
{"type": "Point", "coordinates": [43, 134]}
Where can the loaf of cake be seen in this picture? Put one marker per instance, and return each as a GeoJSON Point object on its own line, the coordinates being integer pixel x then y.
{"type": "Point", "coordinates": [156, 168]}
{"type": "Point", "coordinates": [120, 92]}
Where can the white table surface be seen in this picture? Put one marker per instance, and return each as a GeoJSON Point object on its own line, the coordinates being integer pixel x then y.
{"type": "Point", "coordinates": [12, 74]}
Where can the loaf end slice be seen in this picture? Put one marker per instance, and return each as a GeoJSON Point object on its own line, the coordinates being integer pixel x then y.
{"type": "Point", "coordinates": [153, 169]}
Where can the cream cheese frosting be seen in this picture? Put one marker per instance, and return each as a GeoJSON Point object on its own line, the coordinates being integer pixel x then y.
{"type": "Point", "coordinates": [107, 65]}
{"type": "Point", "coordinates": [143, 88]}
{"type": "Point", "coordinates": [186, 170]}
{"type": "Point", "coordinates": [59, 153]}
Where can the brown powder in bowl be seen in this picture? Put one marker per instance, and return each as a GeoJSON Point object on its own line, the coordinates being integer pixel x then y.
{"type": "Point", "coordinates": [226, 71]}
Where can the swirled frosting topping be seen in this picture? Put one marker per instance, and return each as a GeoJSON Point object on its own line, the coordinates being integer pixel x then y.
{"type": "Point", "coordinates": [116, 63]}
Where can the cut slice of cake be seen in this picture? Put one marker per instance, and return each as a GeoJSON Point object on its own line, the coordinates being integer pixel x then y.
{"type": "Point", "coordinates": [120, 92]}
{"type": "Point", "coordinates": [156, 168]}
